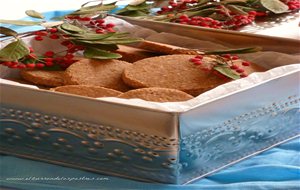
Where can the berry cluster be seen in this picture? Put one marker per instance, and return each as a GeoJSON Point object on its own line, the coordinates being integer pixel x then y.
{"type": "Point", "coordinates": [234, 22]}
{"type": "Point", "coordinates": [226, 59]}
{"type": "Point", "coordinates": [222, 18]}
{"type": "Point", "coordinates": [48, 59]}
{"type": "Point", "coordinates": [199, 21]}
{"type": "Point", "coordinates": [99, 25]}
{"type": "Point", "coordinates": [176, 6]}
{"type": "Point", "coordinates": [59, 60]}
{"type": "Point", "coordinates": [293, 4]}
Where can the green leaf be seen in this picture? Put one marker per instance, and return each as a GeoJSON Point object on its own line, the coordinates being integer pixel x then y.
{"type": "Point", "coordinates": [20, 22]}
{"type": "Point", "coordinates": [51, 24]}
{"type": "Point", "coordinates": [34, 14]}
{"type": "Point", "coordinates": [58, 18]}
{"type": "Point", "coordinates": [203, 12]}
{"type": "Point", "coordinates": [112, 41]}
{"type": "Point", "coordinates": [92, 36]}
{"type": "Point", "coordinates": [141, 9]}
{"type": "Point", "coordinates": [71, 28]}
{"type": "Point", "coordinates": [8, 31]}
{"type": "Point", "coordinates": [234, 1]}
{"type": "Point", "coordinates": [93, 9]}
{"type": "Point", "coordinates": [109, 47]}
{"type": "Point", "coordinates": [138, 7]}
{"type": "Point", "coordinates": [227, 72]}
{"type": "Point", "coordinates": [275, 6]}
{"type": "Point", "coordinates": [235, 51]}
{"type": "Point", "coordinates": [100, 54]}
{"type": "Point", "coordinates": [14, 51]}
{"type": "Point", "coordinates": [236, 10]}
{"type": "Point", "coordinates": [134, 13]}
{"type": "Point", "coordinates": [137, 2]}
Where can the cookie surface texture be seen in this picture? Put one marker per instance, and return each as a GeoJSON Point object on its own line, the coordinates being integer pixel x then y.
{"type": "Point", "coordinates": [157, 95]}
{"type": "Point", "coordinates": [171, 71]}
{"type": "Point", "coordinates": [104, 73]}
{"type": "Point", "coordinates": [41, 77]}
{"type": "Point", "coordinates": [89, 91]}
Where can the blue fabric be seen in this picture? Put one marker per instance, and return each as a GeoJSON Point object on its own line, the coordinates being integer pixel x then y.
{"type": "Point", "coordinates": [277, 168]}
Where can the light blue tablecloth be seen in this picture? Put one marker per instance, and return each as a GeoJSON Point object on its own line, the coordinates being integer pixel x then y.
{"type": "Point", "coordinates": [277, 168]}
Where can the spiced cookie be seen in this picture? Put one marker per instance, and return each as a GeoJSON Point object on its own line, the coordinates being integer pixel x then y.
{"type": "Point", "coordinates": [104, 73]}
{"type": "Point", "coordinates": [131, 54]}
{"type": "Point", "coordinates": [174, 71]}
{"type": "Point", "coordinates": [42, 77]}
{"type": "Point", "coordinates": [85, 90]}
{"type": "Point", "coordinates": [157, 95]}
{"type": "Point", "coordinates": [165, 49]}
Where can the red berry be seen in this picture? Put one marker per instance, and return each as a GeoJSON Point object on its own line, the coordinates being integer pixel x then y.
{"type": "Point", "coordinates": [69, 56]}
{"type": "Point", "coordinates": [246, 63]}
{"type": "Point", "coordinates": [6, 63]}
{"type": "Point", "coordinates": [65, 43]}
{"type": "Point", "coordinates": [54, 36]}
{"type": "Point", "coordinates": [49, 54]}
{"type": "Point", "coordinates": [48, 59]}
{"type": "Point", "coordinates": [184, 17]}
{"type": "Point", "coordinates": [240, 70]}
{"type": "Point", "coordinates": [227, 56]}
{"type": "Point", "coordinates": [243, 75]}
{"type": "Point", "coordinates": [41, 33]}
{"type": "Point", "coordinates": [14, 66]}
{"type": "Point", "coordinates": [31, 49]}
{"type": "Point", "coordinates": [21, 66]}
{"type": "Point", "coordinates": [38, 38]}
{"type": "Point", "coordinates": [30, 65]}
{"type": "Point", "coordinates": [234, 57]}
{"type": "Point", "coordinates": [85, 18]}
{"type": "Point", "coordinates": [100, 31]}
{"type": "Point", "coordinates": [261, 14]}
{"type": "Point", "coordinates": [234, 67]}
{"type": "Point", "coordinates": [53, 30]}
{"type": "Point", "coordinates": [198, 62]}
{"type": "Point", "coordinates": [252, 13]}
{"type": "Point", "coordinates": [110, 25]}
{"type": "Point", "coordinates": [100, 21]}
{"type": "Point", "coordinates": [165, 8]}
{"type": "Point", "coordinates": [204, 24]}
{"type": "Point", "coordinates": [194, 59]}
{"type": "Point", "coordinates": [32, 55]}
{"type": "Point", "coordinates": [110, 30]}
{"type": "Point", "coordinates": [40, 65]}
{"type": "Point", "coordinates": [49, 63]}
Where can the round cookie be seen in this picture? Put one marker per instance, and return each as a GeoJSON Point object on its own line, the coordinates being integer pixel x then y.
{"type": "Point", "coordinates": [157, 95]}
{"type": "Point", "coordinates": [171, 71]}
{"type": "Point", "coordinates": [104, 73]}
{"type": "Point", "coordinates": [89, 91]}
{"type": "Point", "coordinates": [41, 77]}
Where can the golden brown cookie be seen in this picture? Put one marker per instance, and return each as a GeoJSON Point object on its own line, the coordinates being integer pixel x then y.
{"type": "Point", "coordinates": [173, 71]}
{"type": "Point", "coordinates": [157, 95]}
{"type": "Point", "coordinates": [165, 48]}
{"type": "Point", "coordinates": [41, 77]}
{"type": "Point", "coordinates": [131, 54]}
{"type": "Point", "coordinates": [85, 90]}
{"type": "Point", "coordinates": [104, 73]}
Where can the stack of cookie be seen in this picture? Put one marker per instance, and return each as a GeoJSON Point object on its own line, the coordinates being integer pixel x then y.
{"type": "Point", "coordinates": [163, 74]}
